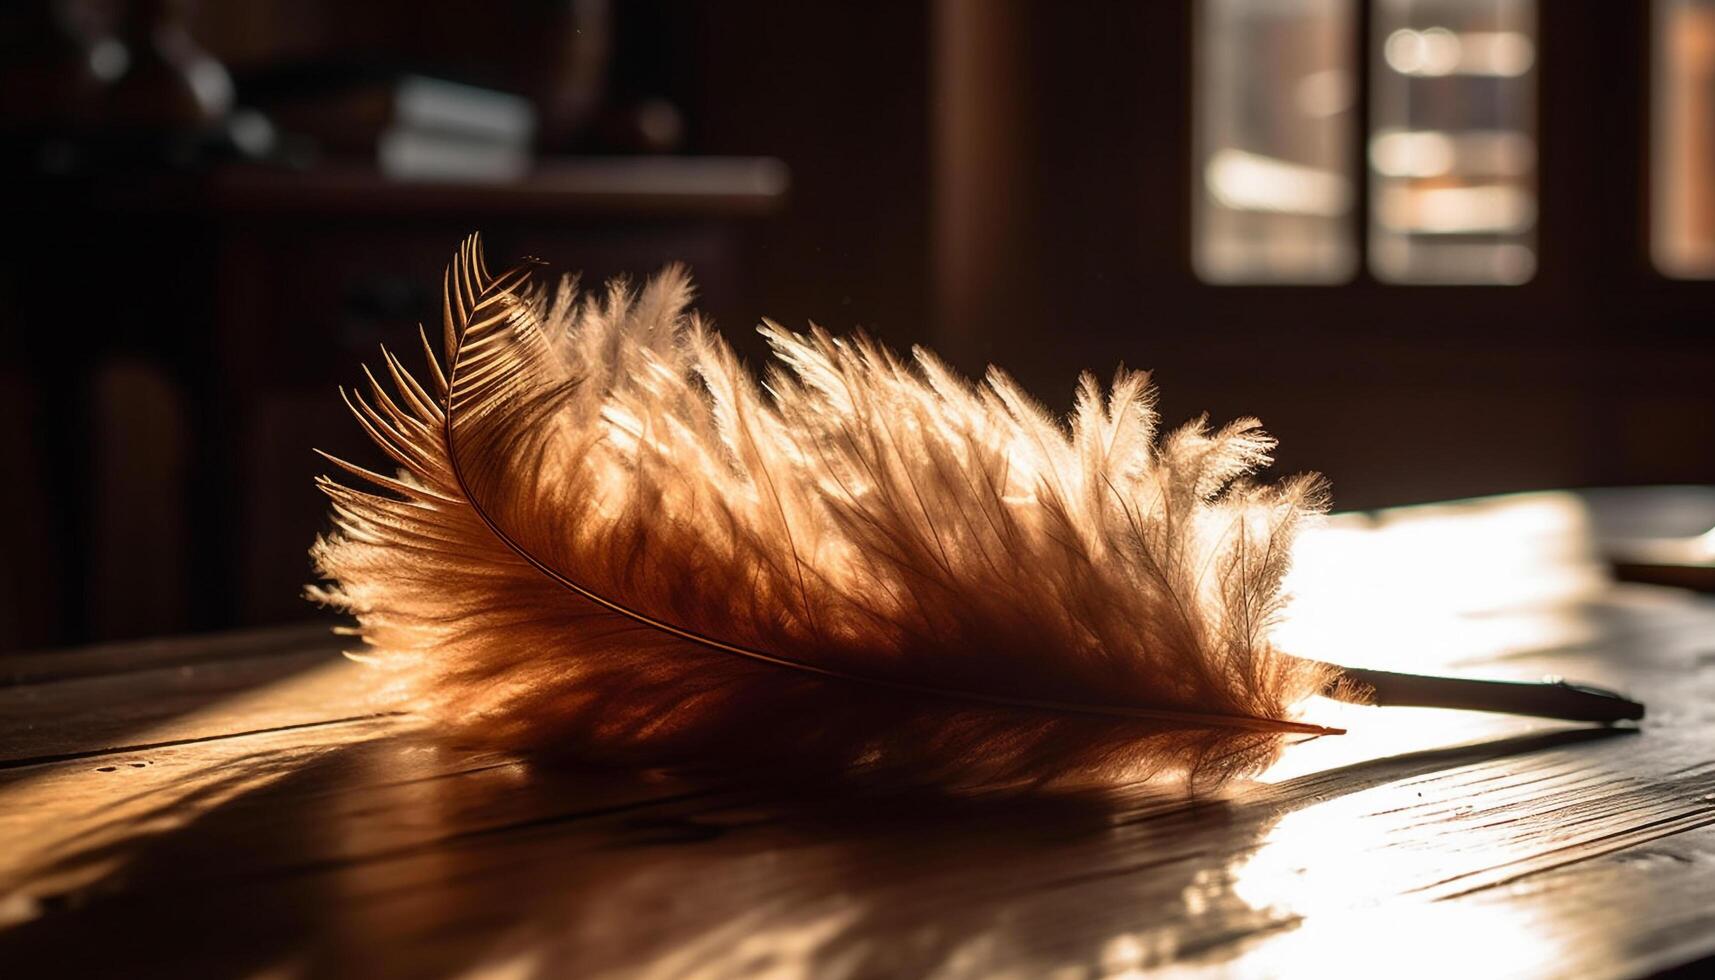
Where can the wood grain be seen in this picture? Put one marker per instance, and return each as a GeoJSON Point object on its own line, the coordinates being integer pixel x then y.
{"type": "Point", "coordinates": [196, 814]}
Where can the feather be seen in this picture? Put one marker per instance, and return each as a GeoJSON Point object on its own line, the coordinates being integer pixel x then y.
{"type": "Point", "coordinates": [607, 539]}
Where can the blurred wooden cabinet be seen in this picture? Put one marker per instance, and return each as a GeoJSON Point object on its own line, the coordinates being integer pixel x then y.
{"type": "Point", "coordinates": [190, 335]}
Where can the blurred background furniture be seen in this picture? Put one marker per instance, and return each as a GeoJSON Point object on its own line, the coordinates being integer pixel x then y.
{"type": "Point", "coordinates": [1441, 247]}
{"type": "Point", "coordinates": [231, 305]}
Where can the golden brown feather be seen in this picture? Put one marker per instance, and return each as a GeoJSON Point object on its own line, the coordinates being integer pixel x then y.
{"type": "Point", "coordinates": [607, 539]}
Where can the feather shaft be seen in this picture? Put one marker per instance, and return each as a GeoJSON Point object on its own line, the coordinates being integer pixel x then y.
{"type": "Point", "coordinates": [1546, 699]}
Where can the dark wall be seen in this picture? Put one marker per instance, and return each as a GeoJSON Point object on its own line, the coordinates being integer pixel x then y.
{"type": "Point", "coordinates": [841, 93]}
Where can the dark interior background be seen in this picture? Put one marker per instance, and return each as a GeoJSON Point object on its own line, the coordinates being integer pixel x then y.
{"type": "Point", "coordinates": [1007, 181]}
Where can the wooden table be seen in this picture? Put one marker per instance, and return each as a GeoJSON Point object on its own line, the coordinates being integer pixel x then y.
{"type": "Point", "coordinates": [238, 805]}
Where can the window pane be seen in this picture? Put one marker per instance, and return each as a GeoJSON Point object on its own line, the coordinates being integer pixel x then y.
{"type": "Point", "coordinates": [1453, 141]}
{"type": "Point", "coordinates": [1683, 181]}
{"type": "Point", "coordinates": [1274, 125]}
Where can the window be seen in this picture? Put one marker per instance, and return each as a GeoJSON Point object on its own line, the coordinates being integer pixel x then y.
{"type": "Point", "coordinates": [1451, 146]}
{"type": "Point", "coordinates": [1275, 120]}
{"type": "Point", "coordinates": [1682, 236]}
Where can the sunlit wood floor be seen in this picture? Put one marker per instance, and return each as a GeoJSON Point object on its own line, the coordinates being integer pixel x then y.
{"type": "Point", "coordinates": [236, 806]}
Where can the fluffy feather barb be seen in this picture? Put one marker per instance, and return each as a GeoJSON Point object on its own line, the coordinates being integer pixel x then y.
{"type": "Point", "coordinates": [606, 538]}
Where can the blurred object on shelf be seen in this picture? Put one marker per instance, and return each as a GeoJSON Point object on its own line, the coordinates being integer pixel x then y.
{"type": "Point", "coordinates": [350, 108]}
{"type": "Point", "coordinates": [171, 84]}
{"type": "Point", "coordinates": [91, 87]}
{"type": "Point", "coordinates": [563, 56]}
{"type": "Point", "coordinates": [55, 63]}
{"type": "Point", "coordinates": [651, 125]}
{"type": "Point", "coordinates": [422, 90]}
{"type": "Point", "coordinates": [410, 126]}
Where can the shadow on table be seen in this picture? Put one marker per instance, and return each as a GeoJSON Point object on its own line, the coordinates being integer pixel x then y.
{"type": "Point", "coordinates": [404, 858]}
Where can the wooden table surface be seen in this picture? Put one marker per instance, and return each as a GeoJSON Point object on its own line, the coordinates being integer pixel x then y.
{"type": "Point", "coordinates": [236, 805]}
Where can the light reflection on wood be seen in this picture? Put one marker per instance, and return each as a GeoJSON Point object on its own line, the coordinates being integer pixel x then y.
{"type": "Point", "coordinates": [1426, 842]}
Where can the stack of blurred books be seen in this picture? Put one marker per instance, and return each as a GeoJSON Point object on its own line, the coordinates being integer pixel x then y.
{"type": "Point", "coordinates": [411, 126]}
